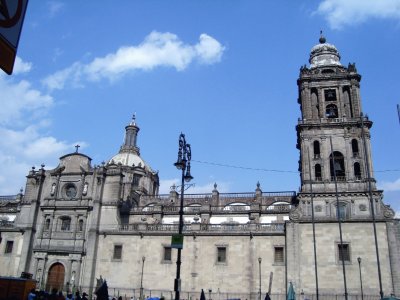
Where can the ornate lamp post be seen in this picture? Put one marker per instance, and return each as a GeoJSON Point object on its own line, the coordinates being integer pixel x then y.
{"type": "Point", "coordinates": [359, 267]}
{"type": "Point", "coordinates": [259, 272]}
{"type": "Point", "coordinates": [141, 279]}
{"type": "Point", "coordinates": [183, 163]}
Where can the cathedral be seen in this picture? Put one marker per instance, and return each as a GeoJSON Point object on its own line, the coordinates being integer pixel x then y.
{"type": "Point", "coordinates": [336, 237]}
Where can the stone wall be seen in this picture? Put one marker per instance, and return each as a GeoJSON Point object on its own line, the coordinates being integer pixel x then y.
{"type": "Point", "coordinates": [200, 268]}
{"type": "Point", "coordinates": [360, 238]}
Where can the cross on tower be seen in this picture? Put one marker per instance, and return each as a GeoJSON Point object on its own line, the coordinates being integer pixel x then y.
{"type": "Point", "coordinates": [77, 147]}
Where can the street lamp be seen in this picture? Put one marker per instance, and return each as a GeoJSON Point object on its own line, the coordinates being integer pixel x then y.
{"type": "Point", "coordinates": [141, 279]}
{"type": "Point", "coordinates": [359, 267]}
{"type": "Point", "coordinates": [259, 271]}
{"type": "Point", "coordinates": [182, 163]}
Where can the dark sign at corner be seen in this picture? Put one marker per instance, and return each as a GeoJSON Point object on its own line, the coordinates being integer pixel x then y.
{"type": "Point", "coordinates": [12, 13]}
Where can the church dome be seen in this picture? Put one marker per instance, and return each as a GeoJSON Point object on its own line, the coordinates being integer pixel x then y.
{"type": "Point", "coordinates": [128, 159]}
{"type": "Point", "coordinates": [324, 54]}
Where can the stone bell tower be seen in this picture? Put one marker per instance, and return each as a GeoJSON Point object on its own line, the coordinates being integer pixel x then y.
{"type": "Point", "coordinates": [333, 137]}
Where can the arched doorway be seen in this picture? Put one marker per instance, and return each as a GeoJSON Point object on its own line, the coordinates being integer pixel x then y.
{"type": "Point", "coordinates": [55, 278]}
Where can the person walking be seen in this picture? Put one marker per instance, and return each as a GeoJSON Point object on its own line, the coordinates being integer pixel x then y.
{"type": "Point", "coordinates": [32, 295]}
{"type": "Point", "coordinates": [78, 296]}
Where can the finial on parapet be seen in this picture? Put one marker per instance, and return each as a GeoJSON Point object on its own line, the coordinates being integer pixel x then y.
{"type": "Point", "coordinates": [258, 191]}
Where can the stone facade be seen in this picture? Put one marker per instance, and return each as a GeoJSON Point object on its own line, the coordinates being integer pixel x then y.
{"type": "Point", "coordinates": [80, 221]}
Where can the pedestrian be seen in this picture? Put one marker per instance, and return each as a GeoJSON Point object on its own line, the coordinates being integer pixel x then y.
{"type": "Point", "coordinates": [85, 296]}
{"type": "Point", "coordinates": [32, 295]}
{"type": "Point", "coordinates": [53, 295]}
{"type": "Point", "coordinates": [60, 296]}
{"type": "Point", "coordinates": [69, 297]}
{"type": "Point", "coordinates": [78, 296]}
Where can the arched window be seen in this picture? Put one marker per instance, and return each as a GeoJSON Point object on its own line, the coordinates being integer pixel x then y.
{"type": "Point", "coordinates": [357, 170]}
{"type": "Point", "coordinates": [337, 166]}
{"type": "Point", "coordinates": [331, 111]}
{"type": "Point", "coordinates": [314, 103]}
{"type": "Point", "coordinates": [47, 225]}
{"type": "Point", "coordinates": [347, 101]}
{"type": "Point", "coordinates": [80, 225]}
{"type": "Point", "coordinates": [317, 151]}
{"type": "Point", "coordinates": [317, 172]}
{"type": "Point", "coordinates": [354, 147]}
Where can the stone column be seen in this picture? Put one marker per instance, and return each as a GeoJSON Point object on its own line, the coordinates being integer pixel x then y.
{"type": "Point", "coordinates": [321, 104]}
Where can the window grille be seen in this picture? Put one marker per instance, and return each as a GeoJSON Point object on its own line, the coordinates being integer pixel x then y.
{"type": "Point", "coordinates": [344, 252]}
{"type": "Point", "coordinates": [167, 254]}
{"type": "Point", "coordinates": [117, 252]}
{"type": "Point", "coordinates": [279, 255]}
{"type": "Point", "coordinates": [221, 254]}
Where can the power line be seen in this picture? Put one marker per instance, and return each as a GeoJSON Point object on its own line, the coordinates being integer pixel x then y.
{"type": "Point", "coordinates": [267, 170]}
{"type": "Point", "coordinates": [244, 168]}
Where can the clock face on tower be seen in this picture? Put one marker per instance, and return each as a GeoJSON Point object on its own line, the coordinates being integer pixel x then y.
{"type": "Point", "coordinates": [70, 191]}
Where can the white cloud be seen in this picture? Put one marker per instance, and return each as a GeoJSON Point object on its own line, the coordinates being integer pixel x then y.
{"type": "Point", "coordinates": [166, 184]}
{"type": "Point", "coordinates": [340, 13]}
{"type": "Point", "coordinates": [19, 98]}
{"type": "Point", "coordinates": [23, 117]}
{"type": "Point", "coordinates": [157, 50]}
{"type": "Point", "coordinates": [390, 186]}
{"type": "Point", "coordinates": [209, 50]}
{"type": "Point", "coordinates": [21, 66]}
{"type": "Point", "coordinates": [69, 75]}
{"type": "Point", "coordinates": [54, 7]}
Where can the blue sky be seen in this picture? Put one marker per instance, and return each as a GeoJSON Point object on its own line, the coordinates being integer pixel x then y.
{"type": "Point", "coordinates": [222, 72]}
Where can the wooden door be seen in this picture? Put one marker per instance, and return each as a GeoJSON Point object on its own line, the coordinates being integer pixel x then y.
{"type": "Point", "coordinates": [55, 278]}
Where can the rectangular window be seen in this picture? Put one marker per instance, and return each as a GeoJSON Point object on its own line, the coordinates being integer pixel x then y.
{"type": "Point", "coordinates": [47, 225]}
{"type": "Point", "coordinates": [221, 254]}
{"type": "Point", "coordinates": [167, 253]}
{"type": "Point", "coordinates": [65, 224]}
{"type": "Point", "coordinates": [117, 252]}
{"type": "Point", "coordinates": [330, 95]}
{"type": "Point", "coordinates": [9, 247]}
{"type": "Point", "coordinates": [136, 180]}
{"type": "Point", "coordinates": [80, 225]}
{"type": "Point", "coordinates": [344, 252]}
{"type": "Point", "coordinates": [342, 211]}
{"type": "Point", "coordinates": [279, 255]}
